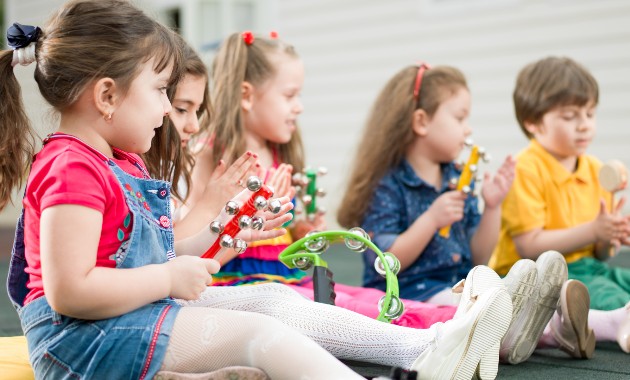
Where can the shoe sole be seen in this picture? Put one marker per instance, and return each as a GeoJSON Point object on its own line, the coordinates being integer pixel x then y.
{"type": "Point", "coordinates": [487, 331]}
{"type": "Point", "coordinates": [578, 299]}
{"type": "Point", "coordinates": [522, 339]}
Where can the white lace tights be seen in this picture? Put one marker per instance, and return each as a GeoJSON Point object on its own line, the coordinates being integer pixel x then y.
{"type": "Point", "coordinates": [206, 339]}
{"type": "Point", "coordinates": [343, 333]}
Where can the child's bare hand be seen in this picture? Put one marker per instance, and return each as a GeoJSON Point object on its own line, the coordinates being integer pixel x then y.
{"type": "Point", "coordinates": [448, 208]}
{"type": "Point", "coordinates": [190, 275]}
{"type": "Point", "coordinates": [302, 227]}
{"type": "Point", "coordinates": [495, 189]}
{"type": "Point", "coordinates": [612, 228]}
{"type": "Point", "coordinates": [272, 223]}
{"type": "Point", "coordinates": [225, 181]}
{"type": "Point", "coordinates": [280, 180]}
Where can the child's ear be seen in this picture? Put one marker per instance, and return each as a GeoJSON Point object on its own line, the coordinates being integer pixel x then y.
{"type": "Point", "coordinates": [106, 96]}
{"type": "Point", "coordinates": [420, 122]}
{"type": "Point", "coordinates": [247, 96]}
{"type": "Point", "coordinates": [532, 128]}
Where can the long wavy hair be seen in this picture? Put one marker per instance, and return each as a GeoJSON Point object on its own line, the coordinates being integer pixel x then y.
{"type": "Point", "coordinates": [84, 41]}
{"type": "Point", "coordinates": [388, 132]}
{"type": "Point", "coordinates": [235, 63]}
{"type": "Point", "coordinates": [167, 159]}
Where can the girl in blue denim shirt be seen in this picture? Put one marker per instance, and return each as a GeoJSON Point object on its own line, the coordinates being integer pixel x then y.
{"type": "Point", "coordinates": [399, 188]}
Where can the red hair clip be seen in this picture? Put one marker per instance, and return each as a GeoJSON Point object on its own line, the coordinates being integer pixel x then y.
{"type": "Point", "coordinates": [422, 67]}
{"type": "Point", "coordinates": [248, 37]}
{"type": "Point", "coordinates": [273, 35]}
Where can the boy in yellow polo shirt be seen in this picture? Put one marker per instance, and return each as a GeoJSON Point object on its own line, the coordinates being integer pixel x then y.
{"type": "Point", "coordinates": [556, 201]}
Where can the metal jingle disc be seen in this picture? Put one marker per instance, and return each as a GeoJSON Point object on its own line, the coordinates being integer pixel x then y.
{"type": "Point", "coordinates": [244, 222]}
{"type": "Point", "coordinates": [216, 227]}
{"type": "Point", "coordinates": [260, 203]}
{"type": "Point", "coordinates": [232, 208]}
{"type": "Point", "coordinates": [317, 245]}
{"type": "Point", "coordinates": [356, 245]}
{"type": "Point", "coordinates": [226, 241]}
{"type": "Point", "coordinates": [240, 246]}
{"type": "Point", "coordinates": [303, 263]}
{"type": "Point", "coordinates": [392, 262]}
{"type": "Point", "coordinates": [254, 183]}
{"type": "Point", "coordinates": [275, 206]}
{"type": "Point", "coordinates": [396, 308]}
{"type": "Point", "coordinates": [257, 223]}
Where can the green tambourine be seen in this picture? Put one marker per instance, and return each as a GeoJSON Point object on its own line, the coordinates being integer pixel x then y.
{"type": "Point", "coordinates": [306, 253]}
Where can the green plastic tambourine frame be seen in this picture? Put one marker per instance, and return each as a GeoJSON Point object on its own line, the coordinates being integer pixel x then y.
{"type": "Point", "coordinates": [390, 305]}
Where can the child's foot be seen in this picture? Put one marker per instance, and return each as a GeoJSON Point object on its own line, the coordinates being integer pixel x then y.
{"type": "Point", "coordinates": [623, 334]}
{"type": "Point", "coordinates": [479, 280]}
{"type": "Point", "coordinates": [569, 326]}
{"type": "Point", "coordinates": [460, 343]}
{"type": "Point", "coordinates": [536, 310]}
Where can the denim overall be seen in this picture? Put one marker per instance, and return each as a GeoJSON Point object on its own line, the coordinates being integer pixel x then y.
{"type": "Point", "coordinates": [130, 346]}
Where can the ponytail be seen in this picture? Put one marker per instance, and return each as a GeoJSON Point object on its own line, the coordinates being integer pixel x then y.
{"type": "Point", "coordinates": [18, 138]}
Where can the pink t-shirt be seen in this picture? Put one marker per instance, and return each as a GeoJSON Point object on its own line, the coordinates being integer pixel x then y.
{"type": "Point", "coordinates": [67, 172]}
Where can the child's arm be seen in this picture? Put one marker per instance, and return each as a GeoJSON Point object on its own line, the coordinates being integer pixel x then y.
{"type": "Point", "coordinates": [447, 209]}
{"type": "Point", "coordinates": [602, 230]}
{"type": "Point", "coordinates": [76, 287]}
{"type": "Point", "coordinates": [493, 192]}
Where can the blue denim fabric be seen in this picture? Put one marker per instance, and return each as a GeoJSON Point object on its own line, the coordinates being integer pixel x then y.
{"type": "Point", "coordinates": [131, 346]}
{"type": "Point", "coordinates": [399, 199]}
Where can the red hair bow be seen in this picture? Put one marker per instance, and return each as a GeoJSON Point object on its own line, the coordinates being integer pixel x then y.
{"type": "Point", "coordinates": [248, 37]}
{"type": "Point", "coordinates": [273, 35]}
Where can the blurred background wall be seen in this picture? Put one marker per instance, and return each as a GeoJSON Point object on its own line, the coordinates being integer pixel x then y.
{"type": "Point", "coordinates": [352, 47]}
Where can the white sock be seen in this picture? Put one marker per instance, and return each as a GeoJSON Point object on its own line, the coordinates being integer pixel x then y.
{"type": "Point", "coordinates": [605, 323]}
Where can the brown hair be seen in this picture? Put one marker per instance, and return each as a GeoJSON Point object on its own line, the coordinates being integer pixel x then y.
{"type": "Point", "coordinates": [550, 83]}
{"type": "Point", "coordinates": [166, 159]}
{"type": "Point", "coordinates": [388, 132]}
{"type": "Point", "coordinates": [235, 63]}
{"type": "Point", "coordinates": [83, 41]}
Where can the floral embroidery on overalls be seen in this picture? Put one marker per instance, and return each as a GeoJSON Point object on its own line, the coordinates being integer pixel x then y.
{"type": "Point", "coordinates": [138, 199]}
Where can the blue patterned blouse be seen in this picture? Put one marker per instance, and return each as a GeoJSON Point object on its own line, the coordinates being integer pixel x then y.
{"type": "Point", "coordinates": [399, 199]}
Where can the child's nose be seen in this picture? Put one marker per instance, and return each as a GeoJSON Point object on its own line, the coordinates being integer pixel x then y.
{"type": "Point", "coordinates": [298, 107]}
{"type": "Point", "coordinates": [192, 127]}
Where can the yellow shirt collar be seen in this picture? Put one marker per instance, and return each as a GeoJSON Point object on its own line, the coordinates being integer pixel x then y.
{"type": "Point", "coordinates": [559, 173]}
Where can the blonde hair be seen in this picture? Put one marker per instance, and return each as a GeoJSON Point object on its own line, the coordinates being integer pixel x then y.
{"type": "Point", "coordinates": [388, 132]}
{"type": "Point", "coordinates": [549, 83]}
{"type": "Point", "coordinates": [237, 62]}
{"type": "Point", "coordinates": [83, 41]}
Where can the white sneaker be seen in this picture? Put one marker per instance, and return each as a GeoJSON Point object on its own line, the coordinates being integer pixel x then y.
{"type": "Point", "coordinates": [460, 343]}
{"type": "Point", "coordinates": [533, 312]}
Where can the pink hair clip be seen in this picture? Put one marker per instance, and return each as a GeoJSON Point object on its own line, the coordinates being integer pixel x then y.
{"type": "Point", "coordinates": [248, 37]}
{"type": "Point", "coordinates": [273, 35]}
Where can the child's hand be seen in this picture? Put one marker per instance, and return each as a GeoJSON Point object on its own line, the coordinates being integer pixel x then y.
{"type": "Point", "coordinates": [280, 180]}
{"type": "Point", "coordinates": [190, 275]}
{"type": "Point", "coordinates": [270, 228]}
{"type": "Point", "coordinates": [227, 181]}
{"type": "Point", "coordinates": [611, 228]}
{"type": "Point", "coordinates": [494, 190]}
{"type": "Point", "coordinates": [302, 227]}
{"type": "Point", "coordinates": [448, 208]}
